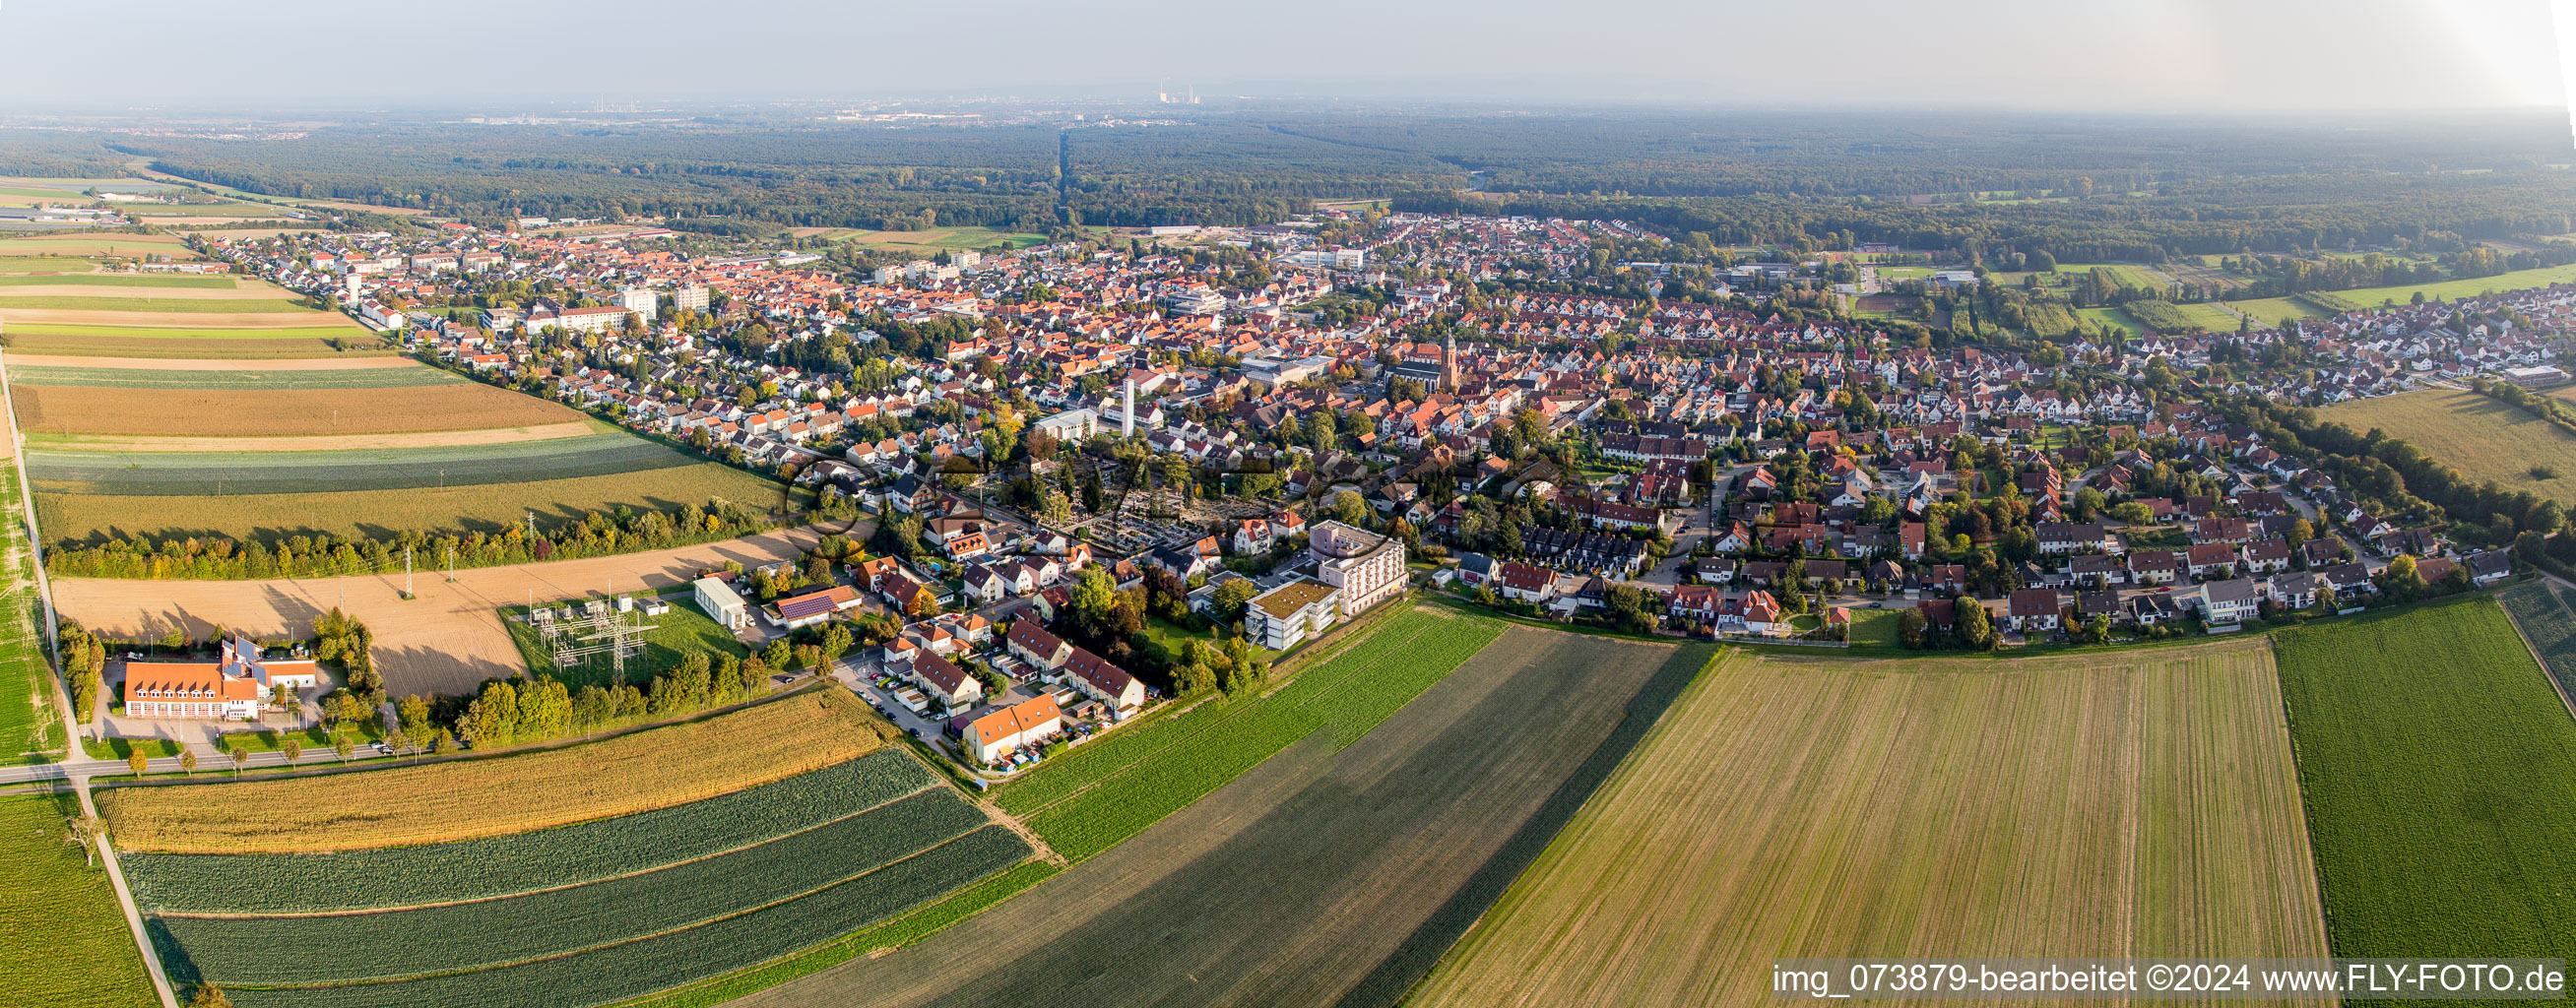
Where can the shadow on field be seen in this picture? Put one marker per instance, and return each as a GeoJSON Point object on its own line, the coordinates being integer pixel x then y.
{"type": "Point", "coordinates": [1398, 973]}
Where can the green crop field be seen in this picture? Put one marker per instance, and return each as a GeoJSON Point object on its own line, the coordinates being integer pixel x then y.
{"type": "Point", "coordinates": [60, 930]}
{"type": "Point", "coordinates": [2439, 770]}
{"type": "Point", "coordinates": [247, 344]}
{"type": "Point", "coordinates": [322, 472]}
{"type": "Point", "coordinates": [54, 267]}
{"type": "Point", "coordinates": [87, 244]}
{"type": "Point", "coordinates": [677, 634]}
{"type": "Point", "coordinates": [519, 862]}
{"type": "Point", "coordinates": [120, 280]}
{"type": "Point", "coordinates": [2483, 438]}
{"type": "Point", "coordinates": [1793, 805]}
{"type": "Point", "coordinates": [398, 375]}
{"type": "Point", "coordinates": [235, 951]}
{"type": "Point", "coordinates": [616, 972]}
{"type": "Point", "coordinates": [2372, 297]}
{"type": "Point", "coordinates": [2113, 317]}
{"type": "Point", "coordinates": [173, 305]}
{"type": "Point", "coordinates": [1089, 799]}
{"type": "Point", "coordinates": [2543, 618]}
{"type": "Point", "coordinates": [2276, 311]}
{"type": "Point", "coordinates": [77, 519]}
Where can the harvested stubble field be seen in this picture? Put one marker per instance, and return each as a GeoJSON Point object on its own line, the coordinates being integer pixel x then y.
{"type": "Point", "coordinates": [519, 862]}
{"type": "Point", "coordinates": [2439, 769]}
{"type": "Point", "coordinates": [2481, 437]}
{"type": "Point", "coordinates": [511, 793]}
{"type": "Point", "coordinates": [289, 411]}
{"type": "Point", "coordinates": [1790, 806]}
{"type": "Point", "coordinates": [1332, 873]}
{"type": "Point", "coordinates": [393, 944]}
{"type": "Point", "coordinates": [77, 519]}
{"type": "Point", "coordinates": [61, 933]}
{"type": "Point", "coordinates": [618, 972]}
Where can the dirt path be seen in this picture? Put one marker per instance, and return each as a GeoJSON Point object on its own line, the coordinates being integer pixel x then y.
{"type": "Point", "coordinates": [329, 442]}
{"type": "Point", "coordinates": [446, 640]}
{"type": "Point", "coordinates": [172, 364]}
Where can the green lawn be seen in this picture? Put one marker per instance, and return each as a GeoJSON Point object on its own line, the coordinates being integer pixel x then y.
{"type": "Point", "coordinates": [2448, 289]}
{"type": "Point", "coordinates": [61, 932]}
{"type": "Point", "coordinates": [2112, 317]}
{"type": "Point", "coordinates": [2275, 311]}
{"type": "Point", "coordinates": [2439, 773]}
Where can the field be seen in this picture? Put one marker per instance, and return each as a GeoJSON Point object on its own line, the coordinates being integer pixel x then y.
{"type": "Point", "coordinates": [77, 519]}
{"type": "Point", "coordinates": [676, 634]}
{"type": "Point", "coordinates": [2543, 618]}
{"type": "Point", "coordinates": [2113, 317]}
{"type": "Point", "coordinates": [61, 933]}
{"type": "Point", "coordinates": [13, 304]}
{"type": "Point", "coordinates": [1335, 871]}
{"type": "Point", "coordinates": [290, 409]}
{"type": "Point", "coordinates": [393, 372]}
{"type": "Point", "coordinates": [121, 280]}
{"type": "Point", "coordinates": [2440, 775]}
{"type": "Point", "coordinates": [2275, 311]}
{"type": "Point", "coordinates": [2481, 437]}
{"type": "Point", "coordinates": [95, 244]}
{"type": "Point", "coordinates": [1794, 806]}
{"type": "Point", "coordinates": [585, 914]}
{"type": "Point", "coordinates": [58, 471]}
{"type": "Point", "coordinates": [467, 799]}
{"type": "Point", "coordinates": [1097, 795]}
{"type": "Point", "coordinates": [2449, 289]}
{"type": "Point", "coordinates": [519, 862]}
{"type": "Point", "coordinates": [139, 342]}
{"type": "Point", "coordinates": [936, 240]}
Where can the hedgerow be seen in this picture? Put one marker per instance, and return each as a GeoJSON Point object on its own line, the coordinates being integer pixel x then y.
{"type": "Point", "coordinates": [402, 943]}
{"type": "Point", "coordinates": [1136, 780]}
{"type": "Point", "coordinates": [520, 862]}
{"type": "Point", "coordinates": [617, 972]}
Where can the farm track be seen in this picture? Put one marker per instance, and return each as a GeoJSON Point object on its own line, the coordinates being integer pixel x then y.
{"type": "Point", "coordinates": [1319, 876]}
{"type": "Point", "coordinates": [448, 640]}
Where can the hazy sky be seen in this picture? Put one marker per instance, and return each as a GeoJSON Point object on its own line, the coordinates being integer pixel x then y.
{"type": "Point", "coordinates": [2057, 54]}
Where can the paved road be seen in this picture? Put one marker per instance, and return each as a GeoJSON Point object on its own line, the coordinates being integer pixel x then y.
{"type": "Point", "coordinates": [448, 639]}
{"type": "Point", "coordinates": [209, 761]}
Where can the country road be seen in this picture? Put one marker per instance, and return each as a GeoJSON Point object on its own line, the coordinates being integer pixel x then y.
{"type": "Point", "coordinates": [446, 640]}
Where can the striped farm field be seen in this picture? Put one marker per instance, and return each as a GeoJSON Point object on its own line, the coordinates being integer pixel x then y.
{"type": "Point", "coordinates": [56, 267]}
{"type": "Point", "coordinates": [87, 519]}
{"type": "Point", "coordinates": [95, 244]}
{"type": "Point", "coordinates": [302, 406]}
{"type": "Point", "coordinates": [123, 474]}
{"type": "Point", "coordinates": [519, 862]}
{"type": "Point", "coordinates": [496, 796]}
{"type": "Point", "coordinates": [394, 373]}
{"type": "Point", "coordinates": [163, 305]}
{"type": "Point", "coordinates": [121, 280]}
{"type": "Point", "coordinates": [248, 344]}
{"type": "Point", "coordinates": [2140, 805]}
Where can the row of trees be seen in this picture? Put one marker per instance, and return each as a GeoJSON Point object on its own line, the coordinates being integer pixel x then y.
{"type": "Point", "coordinates": [221, 557]}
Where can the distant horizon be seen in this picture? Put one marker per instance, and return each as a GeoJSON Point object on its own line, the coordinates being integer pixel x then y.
{"type": "Point", "coordinates": [2173, 56]}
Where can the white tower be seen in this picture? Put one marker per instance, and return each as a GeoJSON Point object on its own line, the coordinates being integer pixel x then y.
{"type": "Point", "coordinates": [1127, 415]}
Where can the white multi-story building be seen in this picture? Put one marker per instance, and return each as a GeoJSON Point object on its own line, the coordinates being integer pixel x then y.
{"type": "Point", "coordinates": [641, 300]}
{"type": "Point", "coordinates": [1283, 616]}
{"type": "Point", "coordinates": [690, 298]}
{"type": "Point", "coordinates": [1366, 567]}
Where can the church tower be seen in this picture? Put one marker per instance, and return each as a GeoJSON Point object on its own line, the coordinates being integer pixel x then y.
{"type": "Point", "coordinates": [1449, 364]}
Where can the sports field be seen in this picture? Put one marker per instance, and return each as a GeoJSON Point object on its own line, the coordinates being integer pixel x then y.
{"type": "Point", "coordinates": [1333, 872]}
{"type": "Point", "coordinates": [2483, 438]}
{"type": "Point", "coordinates": [511, 793]}
{"type": "Point", "coordinates": [2144, 804]}
{"type": "Point", "coordinates": [2440, 774]}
